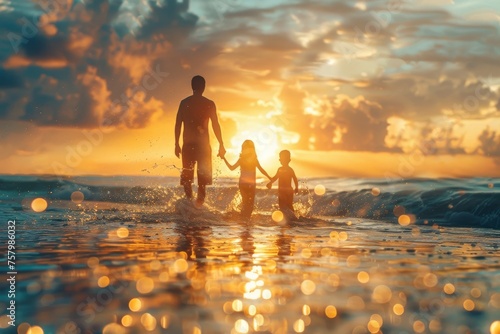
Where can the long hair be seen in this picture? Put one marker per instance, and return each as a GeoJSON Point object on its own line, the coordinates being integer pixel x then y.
{"type": "Point", "coordinates": [248, 154]}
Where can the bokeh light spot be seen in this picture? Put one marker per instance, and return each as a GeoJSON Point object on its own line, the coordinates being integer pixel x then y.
{"type": "Point", "coordinates": [39, 204]}
{"type": "Point", "coordinates": [135, 304]}
{"type": "Point", "coordinates": [277, 216]}
{"type": "Point", "coordinates": [331, 311]}
{"type": "Point", "coordinates": [495, 327]}
{"type": "Point", "coordinates": [77, 197]}
{"type": "Point", "coordinates": [241, 326]}
{"type": "Point", "coordinates": [122, 232]}
{"type": "Point", "coordinates": [145, 285]}
{"type": "Point", "coordinates": [308, 287]}
{"type": "Point", "coordinates": [103, 281]}
{"type": "Point", "coordinates": [127, 320]}
{"type": "Point", "coordinates": [299, 326]}
{"type": "Point", "coordinates": [363, 277]}
{"type": "Point", "coordinates": [148, 321]}
{"type": "Point", "coordinates": [382, 294]}
{"type": "Point", "coordinates": [469, 305]}
{"type": "Point", "coordinates": [404, 220]}
{"type": "Point", "coordinates": [398, 309]}
{"type": "Point", "coordinates": [320, 190]}
{"type": "Point", "coordinates": [180, 266]}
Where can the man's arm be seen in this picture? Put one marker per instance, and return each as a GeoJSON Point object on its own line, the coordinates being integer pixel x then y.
{"type": "Point", "coordinates": [178, 125]}
{"type": "Point", "coordinates": [217, 130]}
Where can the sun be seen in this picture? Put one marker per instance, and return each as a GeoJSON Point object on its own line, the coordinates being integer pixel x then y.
{"type": "Point", "coordinates": [266, 144]}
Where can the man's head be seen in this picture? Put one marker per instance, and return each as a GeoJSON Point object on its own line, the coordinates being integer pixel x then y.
{"type": "Point", "coordinates": [198, 84]}
{"type": "Point", "coordinates": [285, 157]}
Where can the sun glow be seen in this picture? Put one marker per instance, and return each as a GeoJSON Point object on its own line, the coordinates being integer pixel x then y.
{"type": "Point", "coordinates": [266, 144]}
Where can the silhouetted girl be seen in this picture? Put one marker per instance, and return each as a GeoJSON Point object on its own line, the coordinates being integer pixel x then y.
{"type": "Point", "coordinates": [247, 162]}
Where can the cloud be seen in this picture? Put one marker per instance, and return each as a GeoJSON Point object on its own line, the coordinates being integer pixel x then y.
{"type": "Point", "coordinates": [10, 79]}
{"type": "Point", "coordinates": [489, 143]}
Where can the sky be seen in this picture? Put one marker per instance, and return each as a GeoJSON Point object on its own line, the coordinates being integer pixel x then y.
{"type": "Point", "coordinates": [390, 89]}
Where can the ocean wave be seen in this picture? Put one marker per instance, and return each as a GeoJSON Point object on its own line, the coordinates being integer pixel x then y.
{"type": "Point", "coordinates": [446, 202]}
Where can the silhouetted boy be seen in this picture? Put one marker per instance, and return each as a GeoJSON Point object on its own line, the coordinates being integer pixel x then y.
{"type": "Point", "coordinates": [285, 175]}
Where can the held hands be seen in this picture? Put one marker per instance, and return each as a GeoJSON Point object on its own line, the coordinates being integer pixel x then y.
{"type": "Point", "coordinates": [177, 150]}
{"type": "Point", "coordinates": [269, 185]}
{"type": "Point", "coordinates": [222, 151]}
{"type": "Point", "coordinates": [297, 190]}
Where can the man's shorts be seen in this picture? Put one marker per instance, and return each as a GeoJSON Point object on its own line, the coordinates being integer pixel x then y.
{"type": "Point", "coordinates": [199, 156]}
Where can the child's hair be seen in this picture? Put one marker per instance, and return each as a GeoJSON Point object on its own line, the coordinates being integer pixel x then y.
{"type": "Point", "coordinates": [248, 151]}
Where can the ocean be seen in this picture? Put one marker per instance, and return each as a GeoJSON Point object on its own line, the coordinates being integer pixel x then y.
{"type": "Point", "coordinates": [114, 255]}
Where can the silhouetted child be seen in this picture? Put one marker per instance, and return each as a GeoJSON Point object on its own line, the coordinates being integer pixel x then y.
{"type": "Point", "coordinates": [247, 162]}
{"type": "Point", "coordinates": [285, 175]}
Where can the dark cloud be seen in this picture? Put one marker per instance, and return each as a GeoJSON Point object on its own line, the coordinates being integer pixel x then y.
{"type": "Point", "coordinates": [10, 79]}
{"type": "Point", "coordinates": [489, 143]}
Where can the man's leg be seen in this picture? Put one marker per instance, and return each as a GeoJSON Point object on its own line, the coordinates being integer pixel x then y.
{"type": "Point", "coordinates": [187, 174]}
{"type": "Point", "coordinates": [202, 193]}
{"type": "Point", "coordinates": [188, 190]}
{"type": "Point", "coordinates": [204, 172]}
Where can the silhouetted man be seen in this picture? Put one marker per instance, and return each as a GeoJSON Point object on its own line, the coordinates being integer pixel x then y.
{"type": "Point", "coordinates": [195, 111]}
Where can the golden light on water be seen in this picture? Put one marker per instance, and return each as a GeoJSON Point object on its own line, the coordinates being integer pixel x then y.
{"type": "Point", "coordinates": [127, 320]}
{"type": "Point", "coordinates": [495, 327]}
{"type": "Point", "coordinates": [92, 262]}
{"type": "Point", "coordinates": [353, 261]}
{"type": "Point", "coordinates": [320, 190]}
{"type": "Point", "coordinates": [135, 305]}
{"type": "Point", "coordinates": [331, 311]}
{"type": "Point", "coordinates": [277, 216]}
{"type": "Point", "coordinates": [343, 236]}
{"type": "Point", "coordinates": [469, 305]}
{"type": "Point", "coordinates": [155, 265]}
{"type": "Point", "coordinates": [39, 205]}
{"type": "Point", "coordinates": [382, 294]}
{"type": "Point", "coordinates": [103, 281]}
{"type": "Point", "coordinates": [306, 253]}
{"type": "Point", "coordinates": [404, 220]}
{"type": "Point", "coordinates": [122, 232]}
{"type": "Point", "coordinates": [145, 285]}
{"type": "Point", "coordinates": [398, 309]}
{"type": "Point", "coordinates": [308, 287]}
{"type": "Point", "coordinates": [77, 197]}
{"type": "Point", "coordinates": [363, 277]}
